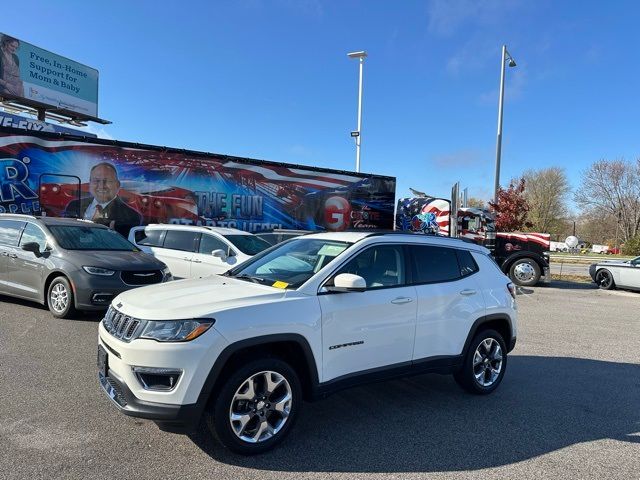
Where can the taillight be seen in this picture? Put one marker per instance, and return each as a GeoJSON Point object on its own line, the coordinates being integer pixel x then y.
{"type": "Point", "coordinates": [512, 290]}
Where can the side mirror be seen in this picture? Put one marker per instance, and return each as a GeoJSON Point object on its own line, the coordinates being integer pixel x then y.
{"type": "Point", "coordinates": [221, 254]}
{"type": "Point", "coordinates": [32, 247]}
{"type": "Point", "coordinates": [348, 282]}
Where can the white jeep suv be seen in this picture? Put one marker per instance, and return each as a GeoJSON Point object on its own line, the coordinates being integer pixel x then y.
{"type": "Point", "coordinates": [308, 317]}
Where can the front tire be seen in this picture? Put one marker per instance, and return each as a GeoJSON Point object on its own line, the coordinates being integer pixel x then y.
{"type": "Point", "coordinates": [525, 272]}
{"type": "Point", "coordinates": [257, 406]}
{"type": "Point", "coordinates": [60, 299]}
{"type": "Point", "coordinates": [604, 279]}
{"type": "Point", "coordinates": [484, 364]}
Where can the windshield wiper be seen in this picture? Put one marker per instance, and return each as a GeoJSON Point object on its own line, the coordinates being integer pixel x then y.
{"type": "Point", "coordinates": [246, 276]}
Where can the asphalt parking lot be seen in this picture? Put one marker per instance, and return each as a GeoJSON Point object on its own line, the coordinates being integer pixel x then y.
{"type": "Point", "coordinates": [569, 407]}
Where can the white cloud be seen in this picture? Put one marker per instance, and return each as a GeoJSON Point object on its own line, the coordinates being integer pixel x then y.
{"type": "Point", "coordinates": [457, 159]}
{"type": "Point", "coordinates": [475, 54]}
{"type": "Point", "coordinates": [515, 82]}
{"type": "Point", "coordinates": [446, 17]}
{"type": "Point", "coordinates": [98, 130]}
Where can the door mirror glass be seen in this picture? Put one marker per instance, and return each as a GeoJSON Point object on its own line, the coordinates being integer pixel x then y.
{"type": "Point", "coordinates": [219, 253]}
{"type": "Point", "coordinates": [348, 282]}
{"type": "Point", "coordinates": [32, 247]}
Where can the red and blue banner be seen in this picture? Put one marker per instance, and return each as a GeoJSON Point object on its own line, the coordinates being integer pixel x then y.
{"type": "Point", "coordinates": [123, 184]}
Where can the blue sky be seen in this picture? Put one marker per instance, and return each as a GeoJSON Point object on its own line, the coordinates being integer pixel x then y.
{"type": "Point", "coordinates": [270, 79]}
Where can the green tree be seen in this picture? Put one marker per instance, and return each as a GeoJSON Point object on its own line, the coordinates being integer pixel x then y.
{"type": "Point", "coordinates": [632, 246]}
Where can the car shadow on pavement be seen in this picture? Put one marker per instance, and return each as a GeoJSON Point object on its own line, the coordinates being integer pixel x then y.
{"type": "Point", "coordinates": [568, 285]}
{"type": "Point", "coordinates": [428, 424]}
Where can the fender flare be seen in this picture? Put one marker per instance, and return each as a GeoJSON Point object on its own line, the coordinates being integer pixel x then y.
{"type": "Point", "coordinates": [229, 350]}
{"type": "Point", "coordinates": [510, 342]}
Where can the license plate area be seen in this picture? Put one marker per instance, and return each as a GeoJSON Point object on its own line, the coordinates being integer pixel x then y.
{"type": "Point", "coordinates": [103, 361]}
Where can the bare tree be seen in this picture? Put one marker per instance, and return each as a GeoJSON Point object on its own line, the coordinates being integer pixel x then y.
{"type": "Point", "coordinates": [612, 187]}
{"type": "Point", "coordinates": [476, 203]}
{"type": "Point", "coordinates": [546, 192]}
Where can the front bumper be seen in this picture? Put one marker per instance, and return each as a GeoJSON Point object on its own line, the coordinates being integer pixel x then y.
{"type": "Point", "coordinates": [94, 292]}
{"type": "Point", "coordinates": [173, 418]}
{"type": "Point", "coordinates": [178, 409]}
{"type": "Point", "coordinates": [546, 275]}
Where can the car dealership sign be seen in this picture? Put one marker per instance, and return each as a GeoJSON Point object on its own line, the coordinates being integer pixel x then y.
{"type": "Point", "coordinates": [33, 74]}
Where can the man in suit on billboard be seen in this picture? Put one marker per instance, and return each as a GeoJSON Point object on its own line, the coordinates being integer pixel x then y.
{"type": "Point", "coordinates": [104, 205]}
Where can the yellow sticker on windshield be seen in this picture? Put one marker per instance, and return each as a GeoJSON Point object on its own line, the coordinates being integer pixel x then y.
{"type": "Point", "coordinates": [280, 284]}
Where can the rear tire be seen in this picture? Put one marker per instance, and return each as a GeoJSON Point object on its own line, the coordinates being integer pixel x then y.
{"type": "Point", "coordinates": [484, 365]}
{"type": "Point", "coordinates": [256, 407]}
{"type": "Point", "coordinates": [60, 299]}
{"type": "Point", "coordinates": [525, 272]}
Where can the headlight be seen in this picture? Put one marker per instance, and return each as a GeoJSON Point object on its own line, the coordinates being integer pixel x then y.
{"type": "Point", "coordinates": [105, 272]}
{"type": "Point", "coordinates": [176, 330]}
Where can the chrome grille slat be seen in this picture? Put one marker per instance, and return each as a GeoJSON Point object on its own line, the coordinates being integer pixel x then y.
{"type": "Point", "coordinates": [132, 328]}
{"type": "Point", "coordinates": [121, 326]}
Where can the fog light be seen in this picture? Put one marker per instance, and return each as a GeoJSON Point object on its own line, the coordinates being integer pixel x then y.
{"type": "Point", "coordinates": [161, 379]}
{"type": "Point", "coordinates": [102, 298]}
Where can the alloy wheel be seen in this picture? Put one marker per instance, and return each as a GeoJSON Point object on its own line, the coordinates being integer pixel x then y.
{"type": "Point", "coordinates": [260, 407]}
{"type": "Point", "coordinates": [59, 297]}
{"type": "Point", "coordinates": [604, 279]}
{"type": "Point", "coordinates": [487, 362]}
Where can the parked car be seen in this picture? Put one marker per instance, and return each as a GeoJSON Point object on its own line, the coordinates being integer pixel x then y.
{"type": "Point", "coordinates": [303, 319]}
{"type": "Point", "coordinates": [616, 274]}
{"type": "Point", "coordinates": [599, 249]}
{"type": "Point", "coordinates": [69, 264]}
{"type": "Point", "coordinates": [280, 235]}
{"type": "Point", "coordinates": [193, 251]}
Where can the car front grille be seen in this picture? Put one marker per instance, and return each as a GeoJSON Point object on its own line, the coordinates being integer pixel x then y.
{"type": "Point", "coordinates": [137, 278]}
{"type": "Point", "coordinates": [121, 326]}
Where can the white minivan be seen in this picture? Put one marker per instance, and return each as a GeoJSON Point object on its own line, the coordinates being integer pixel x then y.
{"type": "Point", "coordinates": [194, 251]}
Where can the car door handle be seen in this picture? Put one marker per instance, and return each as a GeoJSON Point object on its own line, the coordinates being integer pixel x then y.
{"type": "Point", "coordinates": [401, 300]}
{"type": "Point", "coordinates": [195, 260]}
{"type": "Point", "coordinates": [468, 292]}
{"type": "Point", "coordinates": [186, 258]}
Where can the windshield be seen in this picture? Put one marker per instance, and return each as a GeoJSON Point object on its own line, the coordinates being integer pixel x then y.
{"type": "Point", "coordinates": [81, 237]}
{"type": "Point", "coordinates": [290, 264]}
{"type": "Point", "coordinates": [248, 244]}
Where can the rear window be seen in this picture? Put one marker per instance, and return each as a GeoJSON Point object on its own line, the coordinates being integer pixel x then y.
{"type": "Point", "coordinates": [81, 237]}
{"type": "Point", "coordinates": [149, 238]}
{"type": "Point", "coordinates": [468, 265]}
{"type": "Point", "coordinates": [180, 240]}
{"type": "Point", "coordinates": [248, 244]}
{"type": "Point", "coordinates": [434, 264]}
{"type": "Point", "coordinates": [10, 232]}
{"type": "Point", "coordinates": [272, 238]}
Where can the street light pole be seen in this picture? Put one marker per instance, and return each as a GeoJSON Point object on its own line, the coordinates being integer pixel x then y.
{"type": "Point", "coordinates": [358, 134]}
{"type": "Point", "coordinates": [512, 63]}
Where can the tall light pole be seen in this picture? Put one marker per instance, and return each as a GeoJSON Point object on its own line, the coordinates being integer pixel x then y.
{"type": "Point", "coordinates": [512, 63]}
{"type": "Point", "coordinates": [358, 133]}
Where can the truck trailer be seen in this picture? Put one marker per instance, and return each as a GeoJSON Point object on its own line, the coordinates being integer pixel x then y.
{"type": "Point", "coordinates": [524, 257]}
{"type": "Point", "coordinates": [123, 184]}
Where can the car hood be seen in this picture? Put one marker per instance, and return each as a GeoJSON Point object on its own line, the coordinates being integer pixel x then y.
{"type": "Point", "coordinates": [613, 263]}
{"type": "Point", "coordinates": [193, 298]}
{"type": "Point", "coordinates": [114, 260]}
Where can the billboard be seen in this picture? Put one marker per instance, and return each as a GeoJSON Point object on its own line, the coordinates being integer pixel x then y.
{"type": "Point", "coordinates": [123, 185]}
{"type": "Point", "coordinates": [31, 73]}
{"type": "Point", "coordinates": [16, 121]}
